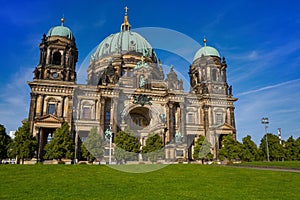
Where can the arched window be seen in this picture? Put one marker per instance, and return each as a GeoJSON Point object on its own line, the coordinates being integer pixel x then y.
{"type": "Point", "coordinates": [51, 108]}
{"type": "Point", "coordinates": [56, 58]}
{"type": "Point", "coordinates": [214, 75]}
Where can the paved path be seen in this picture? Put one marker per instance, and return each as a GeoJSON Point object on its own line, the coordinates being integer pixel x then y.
{"type": "Point", "coordinates": [268, 168]}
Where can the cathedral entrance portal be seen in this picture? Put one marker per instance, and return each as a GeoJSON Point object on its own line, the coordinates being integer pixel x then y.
{"type": "Point", "coordinates": [138, 118]}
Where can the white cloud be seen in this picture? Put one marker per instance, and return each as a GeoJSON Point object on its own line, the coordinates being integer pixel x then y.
{"type": "Point", "coordinates": [278, 102]}
{"type": "Point", "coordinates": [268, 87]}
{"type": "Point", "coordinates": [14, 99]}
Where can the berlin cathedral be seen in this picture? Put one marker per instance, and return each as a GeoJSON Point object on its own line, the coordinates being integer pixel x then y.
{"type": "Point", "coordinates": [127, 89]}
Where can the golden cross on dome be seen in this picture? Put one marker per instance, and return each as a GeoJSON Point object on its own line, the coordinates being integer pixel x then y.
{"type": "Point", "coordinates": [62, 20]}
{"type": "Point", "coordinates": [126, 10]}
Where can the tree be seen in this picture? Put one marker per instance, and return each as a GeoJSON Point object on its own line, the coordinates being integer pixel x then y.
{"type": "Point", "coordinates": [202, 149]}
{"type": "Point", "coordinates": [153, 148]}
{"type": "Point", "coordinates": [292, 149]}
{"type": "Point", "coordinates": [230, 148]}
{"type": "Point", "coordinates": [276, 151]}
{"type": "Point", "coordinates": [61, 146]}
{"type": "Point", "coordinates": [249, 150]}
{"type": "Point", "coordinates": [4, 142]}
{"type": "Point", "coordinates": [24, 145]}
{"type": "Point", "coordinates": [92, 147]}
{"type": "Point", "coordinates": [127, 146]}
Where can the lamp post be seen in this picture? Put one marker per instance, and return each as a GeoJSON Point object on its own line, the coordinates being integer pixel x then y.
{"type": "Point", "coordinates": [109, 135]}
{"type": "Point", "coordinates": [265, 121]}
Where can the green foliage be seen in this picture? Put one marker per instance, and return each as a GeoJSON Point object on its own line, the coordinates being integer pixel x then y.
{"type": "Point", "coordinates": [24, 144]}
{"type": "Point", "coordinates": [153, 148]}
{"type": "Point", "coordinates": [230, 149]}
{"type": "Point", "coordinates": [276, 151]}
{"type": "Point", "coordinates": [61, 146]}
{"type": "Point", "coordinates": [292, 149]}
{"type": "Point", "coordinates": [4, 142]}
{"type": "Point", "coordinates": [202, 149]}
{"type": "Point", "coordinates": [127, 146]}
{"type": "Point", "coordinates": [249, 150]}
{"type": "Point", "coordinates": [92, 147]}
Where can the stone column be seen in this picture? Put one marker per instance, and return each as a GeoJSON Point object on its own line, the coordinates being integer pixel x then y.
{"type": "Point", "coordinates": [32, 111]}
{"type": "Point", "coordinates": [113, 114]}
{"type": "Point", "coordinates": [97, 110]}
{"type": "Point", "coordinates": [48, 56]}
{"type": "Point", "coordinates": [69, 106]}
{"type": "Point", "coordinates": [39, 107]}
{"type": "Point", "coordinates": [171, 124]}
{"type": "Point", "coordinates": [183, 121]}
{"type": "Point", "coordinates": [210, 116]}
{"type": "Point", "coordinates": [59, 108]}
{"type": "Point", "coordinates": [206, 120]}
{"type": "Point", "coordinates": [102, 115]}
{"type": "Point", "coordinates": [65, 107]}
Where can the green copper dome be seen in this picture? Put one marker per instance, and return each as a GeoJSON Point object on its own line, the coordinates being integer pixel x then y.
{"type": "Point", "coordinates": [206, 51]}
{"type": "Point", "coordinates": [60, 31]}
{"type": "Point", "coordinates": [123, 42]}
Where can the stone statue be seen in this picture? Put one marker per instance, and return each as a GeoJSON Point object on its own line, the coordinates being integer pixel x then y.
{"type": "Point", "coordinates": [204, 89]}
{"type": "Point", "coordinates": [230, 90]}
{"type": "Point", "coordinates": [162, 118]}
{"type": "Point", "coordinates": [180, 84]}
{"type": "Point", "coordinates": [142, 82]}
{"type": "Point", "coordinates": [123, 114]}
{"type": "Point", "coordinates": [178, 137]}
{"type": "Point", "coordinates": [108, 134]}
{"type": "Point", "coordinates": [36, 73]}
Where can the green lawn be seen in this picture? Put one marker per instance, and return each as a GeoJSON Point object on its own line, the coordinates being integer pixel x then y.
{"type": "Point", "coordinates": [275, 164]}
{"type": "Point", "coordinates": [180, 181]}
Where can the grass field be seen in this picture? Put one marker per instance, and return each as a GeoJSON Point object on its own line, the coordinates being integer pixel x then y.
{"type": "Point", "coordinates": [277, 164]}
{"type": "Point", "coordinates": [171, 182]}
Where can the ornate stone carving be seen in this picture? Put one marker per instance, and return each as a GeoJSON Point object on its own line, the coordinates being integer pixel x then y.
{"type": "Point", "coordinates": [142, 99]}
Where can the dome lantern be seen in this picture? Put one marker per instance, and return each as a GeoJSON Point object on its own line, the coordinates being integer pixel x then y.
{"type": "Point", "coordinates": [125, 25]}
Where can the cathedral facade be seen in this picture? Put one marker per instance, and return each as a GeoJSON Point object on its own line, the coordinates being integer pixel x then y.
{"type": "Point", "coordinates": [127, 89]}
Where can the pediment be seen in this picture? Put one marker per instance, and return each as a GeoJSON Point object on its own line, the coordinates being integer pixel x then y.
{"type": "Point", "coordinates": [49, 119]}
{"type": "Point", "coordinates": [225, 126]}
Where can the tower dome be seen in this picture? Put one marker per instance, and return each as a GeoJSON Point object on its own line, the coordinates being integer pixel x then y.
{"type": "Point", "coordinates": [206, 51]}
{"type": "Point", "coordinates": [60, 31]}
{"type": "Point", "coordinates": [123, 42]}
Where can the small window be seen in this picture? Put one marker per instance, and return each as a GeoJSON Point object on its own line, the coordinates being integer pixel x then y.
{"type": "Point", "coordinates": [56, 58]}
{"type": "Point", "coordinates": [51, 108]}
{"type": "Point", "coordinates": [219, 118]}
{"type": "Point", "coordinates": [191, 118]}
{"type": "Point", "coordinates": [86, 113]}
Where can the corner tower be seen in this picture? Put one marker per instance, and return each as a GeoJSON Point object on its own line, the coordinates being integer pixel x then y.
{"type": "Point", "coordinates": [58, 55]}
{"type": "Point", "coordinates": [209, 83]}
{"type": "Point", "coordinates": [53, 84]}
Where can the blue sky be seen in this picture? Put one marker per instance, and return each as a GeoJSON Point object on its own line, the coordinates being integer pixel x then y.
{"type": "Point", "coordinates": [260, 40]}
